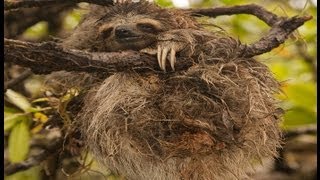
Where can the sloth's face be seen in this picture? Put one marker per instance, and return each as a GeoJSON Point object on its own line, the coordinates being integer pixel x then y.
{"type": "Point", "coordinates": [135, 33]}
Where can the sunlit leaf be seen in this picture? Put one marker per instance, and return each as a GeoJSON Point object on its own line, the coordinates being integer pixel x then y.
{"type": "Point", "coordinates": [19, 100]}
{"type": "Point", "coordinates": [164, 3]}
{"type": "Point", "coordinates": [36, 31]}
{"type": "Point", "coordinates": [45, 99]}
{"type": "Point", "coordinates": [72, 19]}
{"type": "Point", "coordinates": [18, 144]}
{"type": "Point", "coordinates": [40, 117]}
{"type": "Point", "coordinates": [9, 111]}
{"type": "Point", "coordinates": [39, 109]}
{"type": "Point", "coordinates": [302, 95]}
{"type": "Point", "coordinates": [12, 119]}
{"type": "Point", "coordinates": [37, 129]}
{"type": "Point", "coordinates": [298, 116]}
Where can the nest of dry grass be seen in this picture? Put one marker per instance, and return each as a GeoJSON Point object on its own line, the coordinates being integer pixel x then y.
{"type": "Point", "coordinates": [209, 122]}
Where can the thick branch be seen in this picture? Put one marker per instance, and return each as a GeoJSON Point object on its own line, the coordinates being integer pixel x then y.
{"type": "Point", "coordinates": [44, 58]}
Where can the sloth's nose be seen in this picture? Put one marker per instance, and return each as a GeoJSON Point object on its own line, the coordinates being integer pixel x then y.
{"type": "Point", "coordinates": [124, 32]}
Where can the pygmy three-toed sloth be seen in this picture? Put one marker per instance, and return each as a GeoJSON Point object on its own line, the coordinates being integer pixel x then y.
{"type": "Point", "coordinates": [211, 121]}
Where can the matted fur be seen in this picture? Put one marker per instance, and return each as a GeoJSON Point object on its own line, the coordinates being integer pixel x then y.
{"type": "Point", "coordinates": [208, 122]}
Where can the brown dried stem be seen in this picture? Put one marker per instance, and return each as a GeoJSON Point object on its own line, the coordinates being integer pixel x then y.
{"type": "Point", "coordinates": [24, 75]}
{"type": "Point", "coordinates": [34, 160]}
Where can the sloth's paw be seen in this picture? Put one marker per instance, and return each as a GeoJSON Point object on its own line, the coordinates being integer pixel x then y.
{"type": "Point", "coordinates": [166, 51]}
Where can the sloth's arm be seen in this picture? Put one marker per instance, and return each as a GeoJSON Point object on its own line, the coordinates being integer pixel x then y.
{"type": "Point", "coordinates": [191, 43]}
{"type": "Point", "coordinates": [171, 42]}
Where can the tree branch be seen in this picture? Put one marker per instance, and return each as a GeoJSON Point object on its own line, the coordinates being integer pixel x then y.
{"type": "Point", "coordinates": [48, 57]}
{"type": "Point", "coordinates": [9, 5]}
{"type": "Point", "coordinates": [44, 58]}
{"type": "Point", "coordinates": [276, 36]}
{"type": "Point", "coordinates": [24, 75]}
{"type": "Point", "coordinates": [253, 9]}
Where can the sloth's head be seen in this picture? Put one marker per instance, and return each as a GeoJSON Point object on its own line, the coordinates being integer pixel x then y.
{"type": "Point", "coordinates": [127, 26]}
{"type": "Point", "coordinates": [128, 31]}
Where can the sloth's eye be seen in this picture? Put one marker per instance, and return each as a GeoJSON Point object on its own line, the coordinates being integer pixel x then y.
{"type": "Point", "coordinates": [147, 27]}
{"type": "Point", "coordinates": [106, 32]}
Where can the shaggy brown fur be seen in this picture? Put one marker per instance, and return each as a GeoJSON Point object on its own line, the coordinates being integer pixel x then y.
{"type": "Point", "coordinates": [208, 122]}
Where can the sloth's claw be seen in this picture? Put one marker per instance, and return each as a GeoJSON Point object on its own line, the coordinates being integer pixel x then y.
{"type": "Point", "coordinates": [164, 58]}
{"type": "Point", "coordinates": [163, 55]}
{"type": "Point", "coordinates": [159, 56]}
{"type": "Point", "coordinates": [172, 58]}
{"type": "Point", "coordinates": [165, 50]}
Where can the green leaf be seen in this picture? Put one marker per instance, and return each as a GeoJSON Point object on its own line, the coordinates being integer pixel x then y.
{"type": "Point", "coordinates": [302, 95]}
{"type": "Point", "coordinates": [19, 100]}
{"type": "Point", "coordinates": [36, 31]}
{"type": "Point", "coordinates": [9, 111]}
{"type": "Point", "coordinates": [11, 120]}
{"type": "Point", "coordinates": [30, 174]}
{"type": "Point", "coordinates": [18, 144]}
{"type": "Point", "coordinates": [164, 3]}
{"type": "Point", "coordinates": [298, 116]}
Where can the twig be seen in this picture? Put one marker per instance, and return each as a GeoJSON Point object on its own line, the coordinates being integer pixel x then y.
{"type": "Point", "coordinates": [253, 9]}
{"type": "Point", "coordinates": [24, 75]}
{"type": "Point", "coordinates": [34, 160]}
{"type": "Point", "coordinates": [9, 5]}
{"type": "Point", "coordinates": [275, 37]}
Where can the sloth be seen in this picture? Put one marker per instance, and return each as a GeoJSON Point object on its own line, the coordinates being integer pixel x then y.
{"type": "Point", "coordinates": [215, 120]}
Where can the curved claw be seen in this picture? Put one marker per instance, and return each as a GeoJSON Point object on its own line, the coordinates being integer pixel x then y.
{"type": "Point", "coordinates": [159, 56]}
{"type": "Point", "coordinates": [164, 58]}
{"type": "Point", "coordinates": [172, 58]}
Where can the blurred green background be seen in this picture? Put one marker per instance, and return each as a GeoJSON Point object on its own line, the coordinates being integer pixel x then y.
{"type": "Point", "coordinates": [293, 64]}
